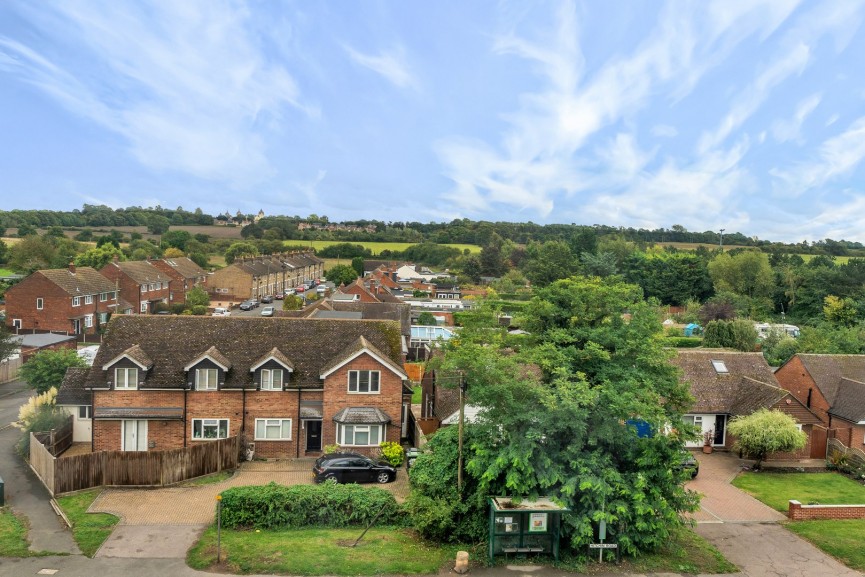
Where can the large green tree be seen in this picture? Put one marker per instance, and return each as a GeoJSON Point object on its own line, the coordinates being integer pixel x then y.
{"type": "Point", "coordinates": [764, 432]}
{"type": "Point", "coordinates": [555, 416]}
{"type": "Point", "coordinates": [341, 274]}
{"type": "Point", "coordinates": [8, 344]}
{"type": "Point", "coordinates": [46, 369]}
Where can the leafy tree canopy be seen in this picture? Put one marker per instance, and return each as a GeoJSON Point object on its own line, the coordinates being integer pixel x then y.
{"type": "Point", "coordinates": [46, 369]}
{"type": "Point", "coordinates": [764, 432]}
{"type": "Point", "coordinates": [341, 274]}
{"type": "Point", "coordinates": [8, 344]}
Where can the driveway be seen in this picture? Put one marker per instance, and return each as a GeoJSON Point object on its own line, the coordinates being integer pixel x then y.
{"type": "Point", "coordinates": [722, 502]}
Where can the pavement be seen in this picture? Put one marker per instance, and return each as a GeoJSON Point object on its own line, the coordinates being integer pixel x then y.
{"type": "Point", "coordinates": [25, 493]}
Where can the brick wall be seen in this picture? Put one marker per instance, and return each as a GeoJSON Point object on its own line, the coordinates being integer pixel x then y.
{"type": "Point", "coordinates": [106, 434]}
{"type": "Point", "coordinates": [56, 307]}
{"type": "Point", "coordinates": [794, 378]}
{"type": "Point", "coordinates": [796, 511]}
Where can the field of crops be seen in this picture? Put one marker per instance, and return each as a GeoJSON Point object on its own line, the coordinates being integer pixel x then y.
{"type": "Point", "coordinates": [376, 247]}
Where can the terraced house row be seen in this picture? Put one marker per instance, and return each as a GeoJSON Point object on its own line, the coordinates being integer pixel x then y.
{"type": "Point", "coordinates": [289, 385]}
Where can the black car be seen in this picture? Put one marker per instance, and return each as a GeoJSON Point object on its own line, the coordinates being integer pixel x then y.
{"type": "Point", "coordinates": [266, 299]}
{"type": "Point", "coordinates": [246, 306]}
{"type": "Point", "coordinates": [688, 464]}
{"type": "Point", "coordinates": [352, 468]}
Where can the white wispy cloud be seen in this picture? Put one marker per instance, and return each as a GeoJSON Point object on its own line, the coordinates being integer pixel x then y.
{"type": "Point", "coordinates": [664, 130]}
{"type": "Point", "coordinates": [836, 156]}
{"type": "Point", "coordinates": [392, 65]}
{"type": "Point", "coordinates": [790, 129]}
{"type": "Point", "coordinates": [185, 84]}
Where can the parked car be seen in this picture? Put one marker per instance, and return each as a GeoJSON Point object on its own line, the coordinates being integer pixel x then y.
{"type": "Point", "coordinates": [352, 468]}
{"type": "Point", "coordinates": [267, 312]}
{"type": "Point", "coordinates": [321, 289]}
{"type": "Point", "coordinates": [279, 296]}
{"type": "Point", "coordinates": [246, 306]}
{"type": "Point", "coordinates": [255, 303]}
{"type": "Point", "coordinates": [221, 312]}
{"type": "Point", "coordinates": [689, 464]}
{"type": "Point", "coordinates": [299, 289]}
{"type": "Point", "coordinates": [267, 299]}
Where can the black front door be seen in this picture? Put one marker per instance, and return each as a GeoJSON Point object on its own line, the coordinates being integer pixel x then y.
{"type": "Point", "coordinates": [313, 436]}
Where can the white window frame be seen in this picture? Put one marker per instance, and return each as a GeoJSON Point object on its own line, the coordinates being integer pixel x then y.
{"type": "Point", "coordinates": [343, 440]}
{"type": "Point", "coordinates": [153, 286]}
{"type": "Point", "coordinates": [144, 307]}
{"type": "Point", "coordinates": [76, 301]}
{"type": "Point", "coordinates": [88, 299]}
{"type": "Point", "coordinates": [354, 388]}
{"type": "Point", "coordinates": [103, 318]}
{"type": "Point", "coordinates": [88, 321]}
{"type": "Point", "coordinates": [129, 423]}
{"type": "Point", "coordinates": [88, 412]}
{"type": "Point", "coordinates": [144, 288]}
{"type": "Point", "coordinates": [268, 380]}
{"type": "Point", "coordinates": [126, 372]}
{"type": "Point", "coordinates": [103, 297]}
{"type": "Point", "coordinates": [265, 424]}
{"type": "Point", "coordinates": [40, 303]}
{"type": "Point", "coordinates": [202, 379]}
{"type": "Point", "coordinates": [211, 422]}
{"type": "Point", "coordinates": [16, 323]}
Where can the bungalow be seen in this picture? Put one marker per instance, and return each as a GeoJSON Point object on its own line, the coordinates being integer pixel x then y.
{"type": "Point", "coordinates": [727, 384]}
{"type": "Point", "coordinates": [289, 385]}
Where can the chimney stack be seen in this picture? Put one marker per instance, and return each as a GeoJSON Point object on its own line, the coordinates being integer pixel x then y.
{"type": "Point", "coordinates": [71, 267]}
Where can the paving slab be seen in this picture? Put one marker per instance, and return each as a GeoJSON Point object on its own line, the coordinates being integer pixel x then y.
{"type": "Point", "coordinates": [151, 541]}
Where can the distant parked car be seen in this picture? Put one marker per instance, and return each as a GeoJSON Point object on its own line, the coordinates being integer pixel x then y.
{"type": "Point", "coordinates": [255, 303]}
{"type": "Point", "coordinates": [299, 289]}
{"type": "Point", "coordinates": [267, 312]}
{"type": "Point", "coordinates": [689, 464]}
{"type": "Point", "coordinates": [352, 468]}
{"type": "Point", "coordinates": [246, 306]}
{"type": "Point", "coordinates": [221, 312]}
{"type": "Point", "coordinates": [266, 299]}
{"type": "Point", "coordinates": [279, 296]}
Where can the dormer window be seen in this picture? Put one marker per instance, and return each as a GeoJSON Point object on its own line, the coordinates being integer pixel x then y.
{"type": "Point", "coordinates": [271, 379]}
{"type": "Point", "coordinates": [206, 379]}
{"type": "Point", "coordinates": [126, 378]}
{"type": "Point", "coordinates": [720, 367]}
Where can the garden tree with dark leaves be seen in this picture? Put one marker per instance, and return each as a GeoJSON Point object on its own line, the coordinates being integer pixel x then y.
{"type": "Point", "coordinates": [46, 369]}
{"type": "Point", "coordinates": [8, 344]}
{"type": "Point", "coordinates": [554, 420]}
{"type": "Point", "coordinates": [341, 274]}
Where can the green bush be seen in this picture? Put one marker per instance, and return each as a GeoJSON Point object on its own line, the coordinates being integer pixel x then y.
{"type": "Point", "coordinates": [275, 506]}
{"type": "Point", "coordinates": [199, 310]}
{"type": "Point", "coordinates": [683, 342]}
{"type": "Point", "coordinates": [393, 453]}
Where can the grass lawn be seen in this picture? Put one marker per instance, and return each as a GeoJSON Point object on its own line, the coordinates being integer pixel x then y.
{"type": "Point", "coordinates": [417, 395]}
{"type": "Point", "coordinates": [13, 535]}
{"type": "Point", "coordinates": [6, 272]}
{"type": "Point", "coordinates": [686, 552]}
{"type": "Point", "coordinates": [375, 247]}
{"type": "Point", "coordinates": [776, 489]}
{"type": "Point", "coordinates": [208, 479]}
{"type": "Point", "coordinates": [383, 551]}
{"type": "Point", "coordinates": [90, 530]}
{"type": "Point", "coordinates": [841, 539]}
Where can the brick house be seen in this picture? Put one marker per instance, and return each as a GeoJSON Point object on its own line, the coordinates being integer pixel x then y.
{"type": "Point", "coordinates": [289, 385]}
{"type": "Point", "coordinates": [71, 300]}
{"type": "Point", "coordinates": [727, 384]}
{"type": "Point", "coordinates": [255, 277]}
{"type": "Point", "coordinates": [185, 275]}
{"type": "Point", "coordinates": [141, 284]}
{"type": "Point", "coordinates": [369, 290]}
{"type": "Point", "coordinates": [833, 387]}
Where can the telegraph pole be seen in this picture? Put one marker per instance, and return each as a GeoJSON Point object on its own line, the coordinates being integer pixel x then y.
{"type": "Point", "coordinates": [460, 434]}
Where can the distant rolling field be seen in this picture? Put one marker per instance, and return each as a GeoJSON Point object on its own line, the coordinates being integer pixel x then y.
{"type": "Point", "coordinates": [375, 247]}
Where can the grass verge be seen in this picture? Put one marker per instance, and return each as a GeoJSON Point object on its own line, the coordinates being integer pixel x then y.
{"type": "Point", "coordinates": [208, 479]}
{"type": "Point", "coordinates": [841, 539]}
{"type": "Point", "coordinates": [416, 394]}
{"type": "Point", "coordinates": [90, 530]}
{"type": "Point", "coordinates": [686, 552]}
{"type": "Point", "coordinates": [13, 535]}
{"type": "Point", "coordinates": [776, 489]}
{"type": "Point", "coordinates": [383, 551]}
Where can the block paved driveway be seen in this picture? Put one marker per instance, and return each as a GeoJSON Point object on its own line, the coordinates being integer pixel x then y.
{"type": "Point", "coordinates": [722, 502]}
{"type": "Point", "coordinates": [197, 505]}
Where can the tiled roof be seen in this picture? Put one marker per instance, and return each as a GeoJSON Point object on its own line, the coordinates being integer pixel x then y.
{"type": "Point", "coordinates": [185, 266]}
{"type": "Point", "coordinates": [172, 342]}
{"type": "Point", "coordinates": [161, 413]}
{"type": "Point", "coordinates": [362, 415]}
{"type": "Point", "coordinates": [141, 271]}
{"type": "Point", "coordinates": [752, 395]}
{"type": "Point", "coordinates": [277, 355]}
{"type": "Point", "coordinates": [311, 411]}
{"type": "Point", "coordinates": [849, 401]}
{"type": "Point", "coordinates": [829, 370]}
{"type": "Point", "coordinates": [84, 281]}
{"type": "Point", "coordinates": [72, 391]}
{"type": "Point", "coordinates": [716, 392]}
{"type": "Point", "coordinates": [138, 355]}
{"type": "Point", "coordinates": [358, 346]}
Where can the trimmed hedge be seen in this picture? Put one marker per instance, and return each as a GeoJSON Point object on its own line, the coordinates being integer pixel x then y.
{"type": "Point", "coordinates": [683, 342]}
{"type": "Point", "coordinates": [329, 504]}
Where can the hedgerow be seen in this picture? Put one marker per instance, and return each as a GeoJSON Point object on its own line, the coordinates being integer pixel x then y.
{"type": "Point", "coordinates": [275, 506]}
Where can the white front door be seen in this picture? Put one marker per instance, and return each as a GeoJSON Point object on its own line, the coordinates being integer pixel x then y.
{"type": "Point", "coordinates": [134, 435]}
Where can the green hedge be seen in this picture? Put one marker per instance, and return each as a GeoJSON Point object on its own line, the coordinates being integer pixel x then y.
{"type": "Point", "coordinates": [683, 342]}
{"type": "Point", "coordinates": [275, 506]}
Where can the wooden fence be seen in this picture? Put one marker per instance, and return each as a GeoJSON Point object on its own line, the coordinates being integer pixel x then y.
{"type": "Point", "coordinates": [131, 468]}
{"type": "Point", "coordinates": [57, 440]}
{"type": "Point", "coordinates": [9, 369]}
{"type": "Point", "coordinates": [836, 448]}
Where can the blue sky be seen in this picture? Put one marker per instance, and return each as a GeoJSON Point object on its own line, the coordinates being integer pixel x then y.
{"type": "Point", "coordinates": [743, 115]}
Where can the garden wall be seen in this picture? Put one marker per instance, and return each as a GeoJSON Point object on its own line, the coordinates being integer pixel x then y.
{"type": "Point", "coordinates": [796, 511]}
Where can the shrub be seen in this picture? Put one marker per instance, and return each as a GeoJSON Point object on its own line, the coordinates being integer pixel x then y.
{"type": "Point", "coordinates": [199, 310]}
{"type": "Point", "coordinates": [329, 449]}
{"type": "Point", "coordinates": [683, 342]}
{"type": "Point", "coordinates": [393, 453]}
{"type": "Point", "coordinates": [275, 506]}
